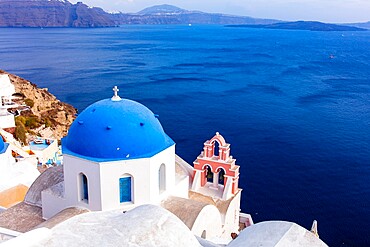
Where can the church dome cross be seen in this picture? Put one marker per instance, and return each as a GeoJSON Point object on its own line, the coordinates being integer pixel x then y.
{"type": "Point", "coordinates": [115, 95]}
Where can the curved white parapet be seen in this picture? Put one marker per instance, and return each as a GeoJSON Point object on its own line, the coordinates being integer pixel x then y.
{"type": "Point", "coordinates": [28, 239]}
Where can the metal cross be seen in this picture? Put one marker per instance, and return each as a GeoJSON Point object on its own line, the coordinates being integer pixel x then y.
{"type": "Point", "coordinates": [115, 96]}
{"type": "Point", "coordinates": [115, 90]}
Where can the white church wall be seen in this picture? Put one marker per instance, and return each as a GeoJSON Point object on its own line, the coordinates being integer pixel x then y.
{"type": "Point", "coordinates": [181, 187]}
{"type": "Point", "coordinates": [208, 223]}
{"type": "Point", "coordinates": [111, 172]}
{"type": "Point", "coordinates": [73, 168]}
{"type": "Point", "coordinates": [167, 158]}
{"type": "Point", "coordinates": [144, 176]}
{"type": "Point", "coordinates": [230, 219]}
{"type": "Point", "coordinates": [103, 183]}
{"type": "Point", "coordinates": [51, 205]}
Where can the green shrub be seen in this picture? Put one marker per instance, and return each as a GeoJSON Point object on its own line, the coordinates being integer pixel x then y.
{"type": "Point", "coordinates": [29, 102]}
{"type": "Point", "coordinates": [20, 132]}
{"type": "Point", "coordinates": [20, 119]}
{"type": "Point", "coordinates": [32, 122]}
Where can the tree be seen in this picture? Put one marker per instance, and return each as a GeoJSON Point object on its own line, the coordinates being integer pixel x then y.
{"type": "Point", "coordinates": [20, 132]}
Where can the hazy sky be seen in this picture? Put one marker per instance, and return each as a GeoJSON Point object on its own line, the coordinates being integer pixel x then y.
{"type": "Point", "coordinates": [321, 10]}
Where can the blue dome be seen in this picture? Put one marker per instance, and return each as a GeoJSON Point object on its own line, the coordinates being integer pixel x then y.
{"type": "Point", "coordinates": [2, 145]}
{"type": "Point", "coordinates": [116, 130]}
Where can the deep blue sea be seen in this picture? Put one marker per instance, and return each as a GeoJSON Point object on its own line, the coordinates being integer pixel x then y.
{"type": "Point", "coordinates": [294, 105]}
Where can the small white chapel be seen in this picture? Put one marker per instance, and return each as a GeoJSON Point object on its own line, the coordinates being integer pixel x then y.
{"type": "Point", "coordinates": [117, 156]}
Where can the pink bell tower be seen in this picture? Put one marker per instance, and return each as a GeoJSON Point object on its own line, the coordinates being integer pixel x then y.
{"type": "Point", "coordinates": [215, 169]}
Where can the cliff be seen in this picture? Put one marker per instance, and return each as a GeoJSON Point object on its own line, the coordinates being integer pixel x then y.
{"type": "Point", "coordinates": [51, 13]}
{"type": "Point", "coordinates": [60, 13]}
{"type": "Point", "coordinates": [46, 111]}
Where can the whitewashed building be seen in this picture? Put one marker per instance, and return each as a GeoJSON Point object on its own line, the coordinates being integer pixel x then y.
{"type": "Point", "coordinates": [7, 89]}
{"type": "Point", "coordinates": [15, 177]}
{"type": "Point", "coordinates": [117, 156]}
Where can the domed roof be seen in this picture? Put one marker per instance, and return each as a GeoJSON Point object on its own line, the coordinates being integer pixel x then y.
{"type": "Point", "coordinates": [116, 129]}
{"type": "Point", "coordinates": [145, 225]}
{"type": "Point", "coordinates": [276, 233]}
{"type": "Point", "coordinates": [1, 145]}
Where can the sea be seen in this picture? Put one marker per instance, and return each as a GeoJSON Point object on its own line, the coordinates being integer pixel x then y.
{"type": "Point", "coordinates": [294, 105]}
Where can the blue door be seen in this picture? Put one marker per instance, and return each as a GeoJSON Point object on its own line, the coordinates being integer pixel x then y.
{"type": "Point", "coordinates": [125, 189]}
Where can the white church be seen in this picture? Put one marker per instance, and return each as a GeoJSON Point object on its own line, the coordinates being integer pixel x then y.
{"type": "Point", "coordinates": [117, 161]}
{"type": "Point", "coordinates": [117, 156]}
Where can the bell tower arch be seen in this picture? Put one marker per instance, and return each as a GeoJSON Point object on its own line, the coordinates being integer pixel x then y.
{"type": "Point", "coordinates": [216, 159]}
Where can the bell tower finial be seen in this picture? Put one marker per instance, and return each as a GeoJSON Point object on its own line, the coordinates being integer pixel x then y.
{"type": "Point", "coordinates": [115, 95]}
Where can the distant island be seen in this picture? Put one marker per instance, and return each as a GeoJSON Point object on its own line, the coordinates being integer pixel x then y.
{"type": "Point", "coordinates": [305, 25]}
{"type": "Point", "coordinates": [62, 13]}
{"type": "Point", "coordinates": [365, 25]}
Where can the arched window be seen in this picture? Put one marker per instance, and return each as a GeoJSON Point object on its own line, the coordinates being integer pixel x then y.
{"type": "Point", "coordinates": [84, 188]}
{"type": "Point", "coordinates": [162, 178]}
{"type": "Point", "coordinates": [125, 189]}
{"type": "Point", "coordinates": [204, 234]}
{"type": "Point", "coordinates": [216, 148]}
{"type": "Point", "coordinates": [209, 174]}
{"type": "Point", "coordinates": [221, 176]}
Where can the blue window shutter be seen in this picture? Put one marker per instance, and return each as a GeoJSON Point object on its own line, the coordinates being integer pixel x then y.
{"type": "Point", "coordinates": [85, 188]}
{"type": "Point", "coordinates": [125, 189]}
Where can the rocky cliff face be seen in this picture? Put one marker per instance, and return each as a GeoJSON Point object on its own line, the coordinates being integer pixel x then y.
{"type": "Point", "coordinates": [51, 13]}
{"type": "Point", "coordinates": [45, 106]}
{"type": "Point", "coordinates": [60, 13]}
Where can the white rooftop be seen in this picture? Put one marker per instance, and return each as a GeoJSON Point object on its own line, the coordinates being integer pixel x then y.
{"type": "Point", "coordinates": [144, 226]}
{"type": "Point", "coordinates": [6, 87]}
{"type": "Point", "coordinates": [276, 234]}
{"type": "Point", "coordinates": [14, 173]}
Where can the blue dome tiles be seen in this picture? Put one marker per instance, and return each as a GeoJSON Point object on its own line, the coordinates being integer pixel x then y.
{"type": "Point", "coordinates": [111, 130]}
{"type": "Point", "coordinates": [3, 146]}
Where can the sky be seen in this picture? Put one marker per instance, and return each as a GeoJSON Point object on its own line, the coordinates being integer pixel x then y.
{"type": "Point", "coordinates": [335, 11]}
